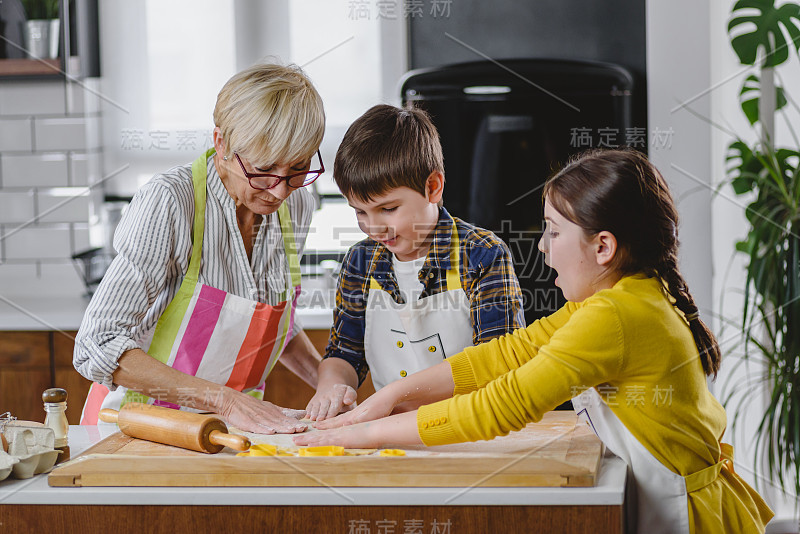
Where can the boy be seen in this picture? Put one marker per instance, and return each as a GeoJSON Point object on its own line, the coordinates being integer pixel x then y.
{"type": "Point", "coordinates": [423, 285]}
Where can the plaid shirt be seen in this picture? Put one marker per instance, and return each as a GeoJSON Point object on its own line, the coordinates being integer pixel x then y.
{"type": "Point", "coordinates": [487, 277]}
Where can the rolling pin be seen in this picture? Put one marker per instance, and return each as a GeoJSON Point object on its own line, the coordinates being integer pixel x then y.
{"type": "Point", "coordinates": [194, 431]}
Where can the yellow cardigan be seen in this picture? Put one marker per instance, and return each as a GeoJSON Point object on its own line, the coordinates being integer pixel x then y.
{"type": "Point", "coordinates": [636, 349]}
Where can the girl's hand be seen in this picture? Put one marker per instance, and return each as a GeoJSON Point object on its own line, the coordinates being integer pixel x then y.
{"type": "Point", "coordinates": [329, 402]}
{"type": "Point", "coordinates": [398, 430]}
{"type": "Point", "coordinates": [252, 415]}
{"type": "Point", "coordinates": [351, 437]}
{"type": "Point", "coordinates": [378, 405]}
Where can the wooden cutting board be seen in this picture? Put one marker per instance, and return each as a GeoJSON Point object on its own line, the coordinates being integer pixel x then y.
{"type": "Point", "coordinates": [558, 451]}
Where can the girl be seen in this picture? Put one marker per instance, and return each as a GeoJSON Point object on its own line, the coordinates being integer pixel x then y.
{"type": "Point", "coordinates": [630, 330]}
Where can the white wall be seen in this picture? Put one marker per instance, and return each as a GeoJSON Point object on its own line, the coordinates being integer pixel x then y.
{"type": "Point", "coordinates": [678, 68]}
{"type": "Point", "coordinates": [49, 170]}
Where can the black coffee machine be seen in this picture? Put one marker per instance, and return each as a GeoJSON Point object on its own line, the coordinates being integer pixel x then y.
{"type": "Point", "coordinates": [505, 126]}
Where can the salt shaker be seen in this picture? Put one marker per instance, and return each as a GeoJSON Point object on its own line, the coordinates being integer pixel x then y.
{"type": "Point", "coordinates": [4, 420]}
{"type": "Point", "coordinates": [55, 404]}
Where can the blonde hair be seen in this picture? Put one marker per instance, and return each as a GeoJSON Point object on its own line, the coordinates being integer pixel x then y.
{"type": "Point", "coordinates": [270, 113]}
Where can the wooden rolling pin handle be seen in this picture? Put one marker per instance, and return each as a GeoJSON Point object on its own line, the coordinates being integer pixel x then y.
{"type": "Point", "coordinates": [234, 441]}
{"type": "Point", "coordinates": [108, 415]}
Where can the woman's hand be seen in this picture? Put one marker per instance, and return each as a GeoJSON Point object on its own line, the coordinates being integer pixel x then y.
{"type": "Point", "coordinates": [137, 370]}
{"type": "Point", "coordinates": [329, 402]}
{"type": "Point", "coordinates": [378, 405]}
{"type": "Point", "coordinates": [252, 415]}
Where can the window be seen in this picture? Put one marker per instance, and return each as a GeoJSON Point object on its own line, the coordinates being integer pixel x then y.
{"type": "Point", "coordinates": [355, 63]}
{"type": "Point", "coordinates": [164, 63]}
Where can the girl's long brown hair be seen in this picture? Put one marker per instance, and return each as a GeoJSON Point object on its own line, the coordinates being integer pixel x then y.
{"type": "Point", "coordinates": [621, 192]}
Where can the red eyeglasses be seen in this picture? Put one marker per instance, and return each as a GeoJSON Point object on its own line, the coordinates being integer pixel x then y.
{"type": "Point", "coordinates": [262, 180]}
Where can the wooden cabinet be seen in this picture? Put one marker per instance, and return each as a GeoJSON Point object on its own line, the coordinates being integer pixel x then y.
{"type": "Point", "coordinates": [65, 376]}
{"type": "Point", "coordinates": [24, 373]}
{"type": "Point", "coordinates": [31, 362]}
{"type": "Point", "coordinates": [285, 389]}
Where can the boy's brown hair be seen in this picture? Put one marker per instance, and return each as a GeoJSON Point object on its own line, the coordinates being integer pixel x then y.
{"type": "Point", "coordinates": [387, 147]}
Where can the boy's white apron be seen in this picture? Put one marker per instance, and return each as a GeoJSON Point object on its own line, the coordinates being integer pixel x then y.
{"type": "Point", "coordinates": [656, 498]}
{"type": "Point", "coordinates": [209, 333]}
{"type": "Point", "coordinates": [401, 339]}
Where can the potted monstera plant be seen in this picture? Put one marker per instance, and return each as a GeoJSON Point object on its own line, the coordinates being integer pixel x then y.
{"type": "Point", "coordinates": [766, 36]}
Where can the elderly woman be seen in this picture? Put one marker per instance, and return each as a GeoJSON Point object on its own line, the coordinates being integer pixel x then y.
{"type": "Point", "coordinates": [199, 303]}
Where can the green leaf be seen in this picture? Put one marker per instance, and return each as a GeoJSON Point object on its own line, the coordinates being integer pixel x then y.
{"type": "Point", "coordinates": [743, 167]}
{"type": "Point", "coordinates": [770, 25]}
{"type": "Point", "coordinates": [40, 9]}
{"type": "Point", "coordinates": [744, 246]}
{"type": "Point", "coordinates": [750, 94]}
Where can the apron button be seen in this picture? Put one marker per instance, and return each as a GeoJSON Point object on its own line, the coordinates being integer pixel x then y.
{"type": "Point", "coordinates": [430, 275]}
{"type": "Point", "coordinates": [403, 373]}
{"type": "Point", "coordinates": [399, 344]}
{"type": "Point", "coordinates": [432, 348]}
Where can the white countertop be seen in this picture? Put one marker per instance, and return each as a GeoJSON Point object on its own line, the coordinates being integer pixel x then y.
{"type": "Point", "coordinates": [62, 313]}
{"type": "Point", "coordinates": [608, 492]}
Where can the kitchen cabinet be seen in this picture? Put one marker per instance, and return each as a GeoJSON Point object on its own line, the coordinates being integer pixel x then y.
{"type": "Point", "coordinates": [33, 361]}
{"type": "Point", "coordinates": [65, 376]}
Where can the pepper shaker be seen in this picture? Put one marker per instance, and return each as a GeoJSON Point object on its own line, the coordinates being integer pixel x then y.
{"type": "Point", "coordinates": [55, 404]}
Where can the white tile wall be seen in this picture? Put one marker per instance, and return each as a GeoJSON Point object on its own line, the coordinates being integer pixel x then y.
{"type": "Point", "coordinates": [59, 279]}
{"type": "Point", "coordinates": [15, 134]}
{"type": "Point", "coordinates": [50, 149]}
{"type": "Point", "coordinates": [39, 98]}
{"type": "Point", "coordinates": [70, 204]}
{"type": "Point", "coordinates": [80, 238]}
{"type": "Point", "coordinates": [40, 279]}
{"type": "Point", "coordinates": [32, 243]}
{"type": "Point", "coordinates": [83, 97]}
{"type": "Point", "coordinates": [16, 207]}
{"type": "Point", "coordinates": [84, 168]}
{"type": "Point", "coordinates": [62, 134]}
{"type": "Point", "coordinates": [14, 276]}
{"type": "Point", "coordinates": [45, 170]}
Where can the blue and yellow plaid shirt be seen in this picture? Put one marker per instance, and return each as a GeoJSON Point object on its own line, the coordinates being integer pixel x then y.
{"type": "Point", "coordinates": [487, 277]}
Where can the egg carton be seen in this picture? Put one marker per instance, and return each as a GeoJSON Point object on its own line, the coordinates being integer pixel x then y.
{"type": "Point", "coordinates": [30, 450]}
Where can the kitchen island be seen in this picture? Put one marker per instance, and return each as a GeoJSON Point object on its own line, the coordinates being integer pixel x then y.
{"type": "Point", "coordinates": [31, 504]}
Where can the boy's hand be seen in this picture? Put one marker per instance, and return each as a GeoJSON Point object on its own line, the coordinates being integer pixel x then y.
{"type": "Point", "coordinates": [377, 406]}
{"type": "Point", "coordinates": [331, 401]}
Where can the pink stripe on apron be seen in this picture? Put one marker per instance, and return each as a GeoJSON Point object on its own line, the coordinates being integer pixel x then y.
{"type": "Point", "coordinates": [198, 332]}
{"type": "Point", "coordinates": [94, 401]}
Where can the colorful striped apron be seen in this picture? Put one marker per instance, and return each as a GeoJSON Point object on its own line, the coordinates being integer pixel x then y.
{"type": "Point", "coordinates": [208, 333]}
